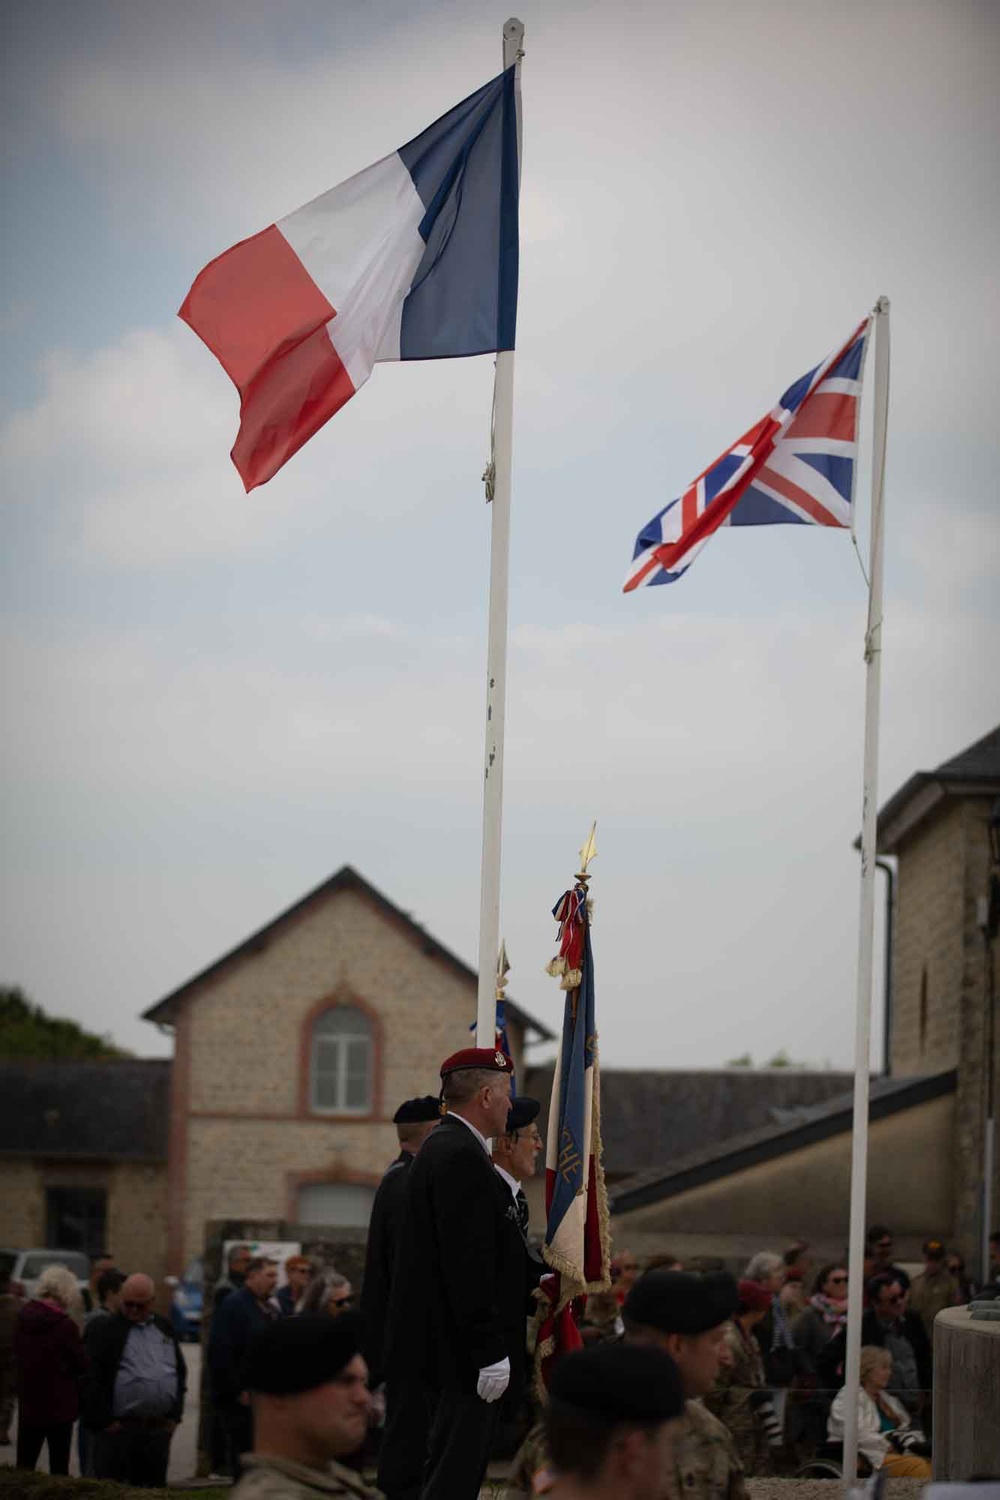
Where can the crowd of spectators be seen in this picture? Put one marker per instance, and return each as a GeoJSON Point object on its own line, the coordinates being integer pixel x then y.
{"type": "Point", "coordinates": [101, 1359]}
{"type": "Point", "coordinates": [781, 1389]}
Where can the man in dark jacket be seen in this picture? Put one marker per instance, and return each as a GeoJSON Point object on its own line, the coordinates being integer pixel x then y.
{"type": "Point", "coordinates": [414, 1120]}
{"type": "Point", "coordinates": [891, 1326]}
{"type": "Point", "coordinates": [133, 1393]}
{"type": "Point", "coordinates": [234, 1322]}
{"type": "Point", "coordinates": [459, 1287]}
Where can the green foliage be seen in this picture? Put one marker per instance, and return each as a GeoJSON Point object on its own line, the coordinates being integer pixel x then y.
{"type": "Point", "coordinates": [782, 1060]}
{"type": "Point", "coordinates": [779, 1060]}
{"type": "Point", "coordinates": [27, 1032]}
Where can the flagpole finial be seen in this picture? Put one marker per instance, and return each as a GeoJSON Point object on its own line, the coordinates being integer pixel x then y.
{"type": "Point", "coordinates": [588, 852]}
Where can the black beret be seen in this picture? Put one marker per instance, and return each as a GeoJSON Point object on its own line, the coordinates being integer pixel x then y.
{"type": "Point", "coordinates": [300, 1353]}
{"type": "Point", "coordinates": [678, 1302]}
{"type": "Point", "coordinates": [619, 1382]}
{"type": "Point", "coordinates": [418, 1111]}
{"type": "Point", "coordinates": [521, 1113]}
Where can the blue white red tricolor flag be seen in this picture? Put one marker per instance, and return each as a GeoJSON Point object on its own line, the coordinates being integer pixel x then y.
{"type": "Point", "coordinates": [416, 257]}
{"type": "Point", "coordinates": [794, 465]}
{"type": "Point", "coordinates": [577, 1239]}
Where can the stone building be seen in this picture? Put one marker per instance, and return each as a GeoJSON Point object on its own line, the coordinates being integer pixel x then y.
{"type": "Point", "coordinates": [291, 1053]}
{"type": "Point", "coordinates": [792, 1177]}
{"type": "Point", "coordinates": [83, 1158]}
{"type": "Point", "coordinates": [944, 964]}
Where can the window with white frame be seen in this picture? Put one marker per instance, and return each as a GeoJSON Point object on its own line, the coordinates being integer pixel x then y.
{"type": "Point", "coordinates": [341, 1062]}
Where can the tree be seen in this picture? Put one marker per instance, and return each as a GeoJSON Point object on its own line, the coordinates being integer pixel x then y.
{"type": "Point", "coordinates": [26, 1031]}
{"type": "Point", "coordinates": [743, 1061]}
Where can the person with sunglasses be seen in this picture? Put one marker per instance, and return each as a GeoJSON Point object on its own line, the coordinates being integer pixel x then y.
{"type": "Point", "coordinates": [133, 1391]}
{"type": "Point", "coordinates": [887, 1324]}
{"type": "Point", "coordinates": [329, 1292]}
{"type": "Point", "coordinates": [821, 1319]}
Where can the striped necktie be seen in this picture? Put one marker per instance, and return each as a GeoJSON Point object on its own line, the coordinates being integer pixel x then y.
{"type": "Point", "coordinates": [522, 1211]}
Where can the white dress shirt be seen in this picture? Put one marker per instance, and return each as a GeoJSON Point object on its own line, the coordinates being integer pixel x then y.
{"type": "Point", "coordinates": [512, 1182]}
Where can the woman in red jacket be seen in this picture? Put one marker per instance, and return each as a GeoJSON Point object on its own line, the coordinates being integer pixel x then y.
{"type": "Point", "coordinates": [50, 1360]}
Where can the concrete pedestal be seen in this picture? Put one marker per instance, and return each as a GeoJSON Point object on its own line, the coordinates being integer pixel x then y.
{"type": "Point", "coordinates": [966, 1396]}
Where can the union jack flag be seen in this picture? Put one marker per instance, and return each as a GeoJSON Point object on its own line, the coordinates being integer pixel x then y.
{"type": "Point", "coordinates": [794, 465]}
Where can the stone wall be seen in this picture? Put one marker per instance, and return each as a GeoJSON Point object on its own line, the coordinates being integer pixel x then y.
{"type": "Point", "coordinates": [939, 980]}
{"type": "Point", "coordinates": [966, 1396]}
{"type": "Point", "coordinates": [136, 1207]}
{"type": "Point", "coordinates": [929, 945]}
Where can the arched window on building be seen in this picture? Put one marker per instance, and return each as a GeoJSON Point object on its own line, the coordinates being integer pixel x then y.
{"type": "Point", "coordinates": [341, 1060]}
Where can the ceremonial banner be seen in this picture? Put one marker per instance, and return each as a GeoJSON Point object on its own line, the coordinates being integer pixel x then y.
{"type": "Point", "coordinates": [416, 257]}
{"type": "Point", "coordinates": [795, 465]}
{"type": "Point", "coordinates": [577, 1239]}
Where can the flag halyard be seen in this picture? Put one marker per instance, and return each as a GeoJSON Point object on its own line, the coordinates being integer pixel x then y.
{"type": "Point", "coordinates": [796, 465]}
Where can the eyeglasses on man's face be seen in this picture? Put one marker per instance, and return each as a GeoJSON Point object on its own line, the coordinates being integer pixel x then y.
{"type": "Point", "coordinates": [137, 1306]}
{"type": "Point", "coordinates": [342, 1301]}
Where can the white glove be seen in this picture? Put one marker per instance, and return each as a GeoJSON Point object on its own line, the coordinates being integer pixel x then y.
{"type": "Point", "coordinates": [493, 1380]}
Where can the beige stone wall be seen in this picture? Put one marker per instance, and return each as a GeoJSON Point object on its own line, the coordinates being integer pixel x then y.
{"type": "Point", "coordinates": [137, 1207]}
{"type": "Point", "coordinates": [247, 1025]}
{"type": "Point", "coordinates": [247, 1136]}
{"type": "Point", "coordinates": [22, 1206]}
{"type": "Point", "coordinates": [939, 980]}
{"type": "Point", "coordinates": [248, 1169]}
{"type": "Point", "coordinates": [929, 944]}
{"type": "Point", "coordinates": [807, 1193]}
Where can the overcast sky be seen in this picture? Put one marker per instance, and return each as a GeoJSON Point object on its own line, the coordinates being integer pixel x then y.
{"type": "Point", "coordinates": [214, 701]}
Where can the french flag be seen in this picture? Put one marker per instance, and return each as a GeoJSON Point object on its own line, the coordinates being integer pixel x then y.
{"type": "Point", "coordinates": [416, 257]}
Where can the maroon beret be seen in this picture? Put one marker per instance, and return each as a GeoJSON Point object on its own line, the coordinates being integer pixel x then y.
{"type": "Point", "coordinates": [477, 1057]}
{"type": "Point", "coordinates": [754, 1297]}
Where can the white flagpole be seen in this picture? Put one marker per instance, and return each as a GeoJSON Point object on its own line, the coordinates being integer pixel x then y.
{"type": "Point", "coordinates": [496, 650]}
{"type": "Point", "coordinates": [869, 810]}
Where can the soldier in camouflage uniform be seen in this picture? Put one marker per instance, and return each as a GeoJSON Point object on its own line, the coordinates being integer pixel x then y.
{"type": "Point", "coordinates": [686, 1316]}
{"type": "Point", "coordinates": [309, 1387]}
{"type": "Point", "coordinates": [740, 1397]}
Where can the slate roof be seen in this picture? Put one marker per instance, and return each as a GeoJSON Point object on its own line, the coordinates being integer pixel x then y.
{"type": "Point", "coordinates": [975, 769]}
{"type": "Point", "coordinates": [346, 879]}
{"type": "Point", "coordinates": [814, 1123]}
{"type": "Point", "coordinates": [113, 1109]}
{"type": "Point", "coordinates": [649, 1119]}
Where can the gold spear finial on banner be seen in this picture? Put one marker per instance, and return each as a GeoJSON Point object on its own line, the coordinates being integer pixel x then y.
{"type": "Point", "coordinates": [588, 852]}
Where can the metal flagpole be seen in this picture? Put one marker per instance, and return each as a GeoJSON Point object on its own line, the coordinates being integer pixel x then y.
{"type": "Point", "coordinates": [869, 809]}
{"type": "Point", "coordinates": [496, 651]}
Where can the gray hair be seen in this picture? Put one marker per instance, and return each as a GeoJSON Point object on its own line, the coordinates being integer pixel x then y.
{"type": "Point", "coordinates": [58, 1284]}
{"type": "Point", "coordinates": [464, 1084]}
{"type": "Point", "coordinates": [317, 1293]}
{"type": "Point", "coordinates": [760, 1266]}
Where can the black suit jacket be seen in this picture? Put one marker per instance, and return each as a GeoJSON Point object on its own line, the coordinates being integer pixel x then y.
{"type": "Point", "coordinates": [384, 1229]}
{"type": "Point", "coordinates": [461, 1276]}
{"type": "Point", "coordinates": [105, 1343]}
{"type": "Point", "coordinates": [234, 1323]}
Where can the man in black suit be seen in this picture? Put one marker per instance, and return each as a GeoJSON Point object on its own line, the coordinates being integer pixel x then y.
{"type": "Point", "coordinates": [460, 1282]}
{"type": "Point", "coordinates": [407, 1420]}
{"type": "Point", "coordinates": [414, 1120]}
